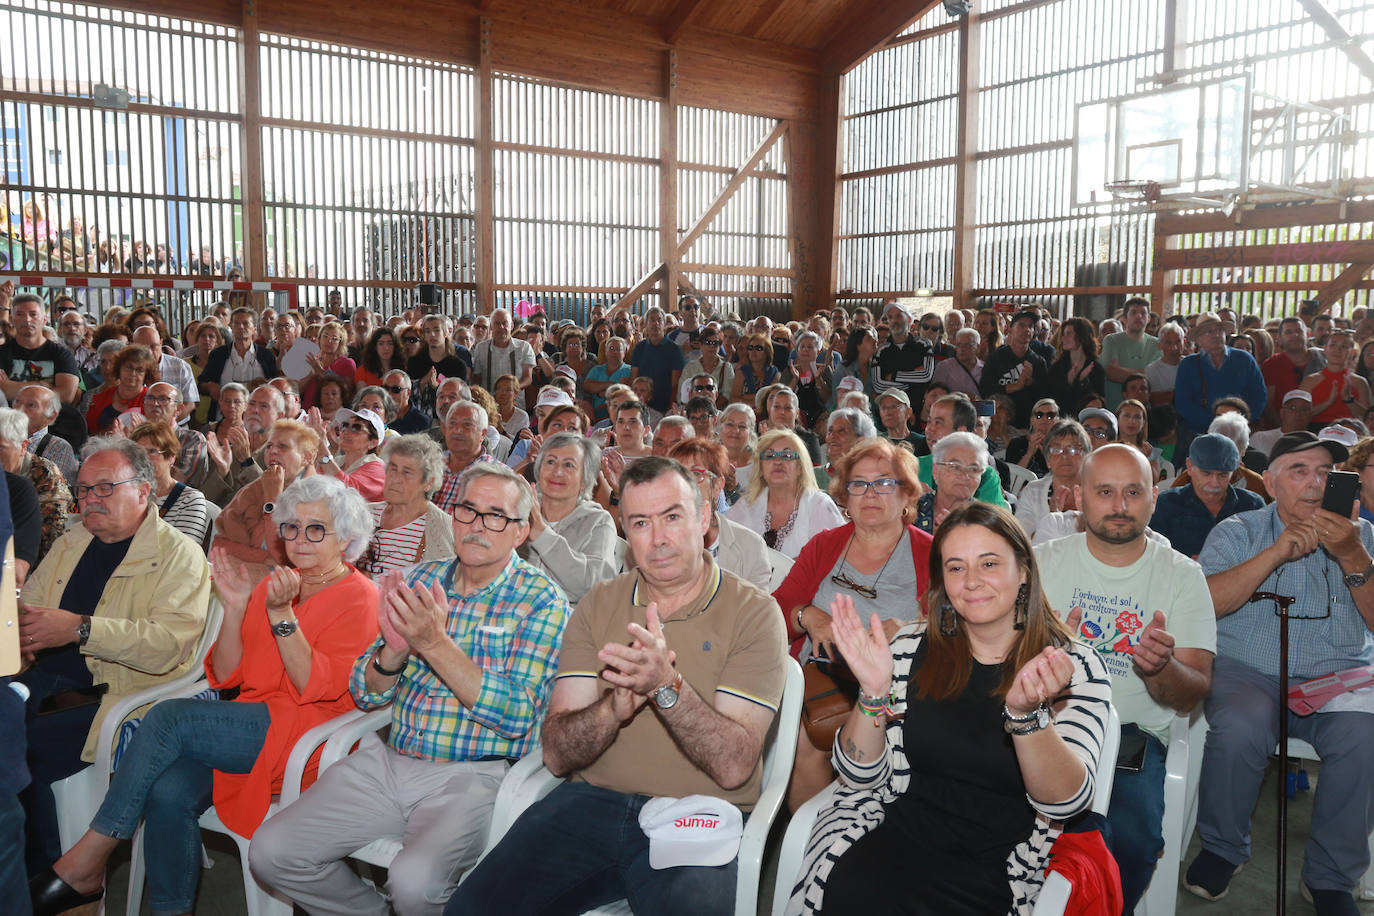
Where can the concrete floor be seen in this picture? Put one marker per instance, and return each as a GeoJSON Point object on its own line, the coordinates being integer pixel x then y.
{"type": "Point", "coordinates": [1252, 891]}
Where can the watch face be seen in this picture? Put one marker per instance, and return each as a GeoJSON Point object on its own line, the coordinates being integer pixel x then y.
{"type": "Point", "coordinates": [665, 698]}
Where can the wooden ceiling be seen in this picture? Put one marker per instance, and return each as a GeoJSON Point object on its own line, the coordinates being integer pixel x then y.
{"type": "Point", "coordinates": [770, 57]}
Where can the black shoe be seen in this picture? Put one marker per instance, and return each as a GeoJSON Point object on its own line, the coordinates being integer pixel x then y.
{"type": "Point", "coordinates": [51, 895]}
{"type": "Point", "coordinates": [1209, 876]}
{"type": "Point", "coordinates": [1331, 903]}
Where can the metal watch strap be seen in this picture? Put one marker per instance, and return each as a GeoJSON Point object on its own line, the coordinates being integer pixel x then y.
{"type": "Point", "coordinates": [1357, 579]}
{"type": "Point", "coordinates": [285, 628]}
{"type": "Point", "coordinates": [83, 630]}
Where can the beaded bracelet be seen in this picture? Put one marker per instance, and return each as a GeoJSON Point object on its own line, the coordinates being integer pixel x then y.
{"type": "Point", "coordinates": [875, 706]}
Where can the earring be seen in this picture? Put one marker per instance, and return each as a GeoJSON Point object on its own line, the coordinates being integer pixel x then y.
{"type": "Point", "coordinates": [949, 620]}
{"type": "Point", "coordinates": [1022, 608]}
{"type": "Point", "coordinates": [845, 512]}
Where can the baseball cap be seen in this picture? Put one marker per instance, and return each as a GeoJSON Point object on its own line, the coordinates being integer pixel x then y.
{"type": "Point", "coordinates": [696, 830]}
{"type": "Point", "coordinates": [897, 394]}
{"type": "Point", "coordinates": [567, 370]}
{"type": "Point", "coordinates": [553, 397]}
{"type": "Point", "coordinates": [1297, 394]}
{"type": "Point", "coordinates": [367, 416]}
{"type": "Point", "coordinates": [1302, 441]}
{"type": "Point", "coordinates": [1337, 433]}
{"type": "Point", "coordinates": [1102, 414]}
{"type": "Point", "coordinates": [1032, 314]}
{"type": "Point", "coordinates": [850, 383]}
{"type": "Point", "coordinates": [1214, 452]}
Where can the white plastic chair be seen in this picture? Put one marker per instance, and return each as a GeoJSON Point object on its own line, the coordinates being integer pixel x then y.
{"type": "Point", "coordinates": [1167, 473]}
{"type": "Point", "coordinates": [1018, 477]}
{"type": "Point", "coordinates": [260, 901]}
{"type": "Point", "coordinates": [79, 795]}
{"type": "Point", "coordinates": [1182, 764]}
{"type": "Point", "coordinates": [529, 781]}
{"type": "Point", "coordinates": [1302, 750]}
{"type": "Point", "coordinates": [1054, 895]}
{"type": "Point", "coordinates": [780, 565]}
{"type": "Point", "coordinates": [381, 851]}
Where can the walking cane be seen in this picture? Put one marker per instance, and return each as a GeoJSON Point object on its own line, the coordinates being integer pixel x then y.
{"type": "Point", "coordinates": [1283, 603]}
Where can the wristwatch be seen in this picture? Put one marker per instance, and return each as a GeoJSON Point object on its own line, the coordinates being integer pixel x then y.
{"type": "Point", "coordinates": [1357, 579]}
{"type": "Point", "coordinates": [666, 696]}
{"type": "Point", "coordinates": [1032, 722]}
{"type": "Point", "coordinates": [326, 458]}
{"type": "Point", "coordinates": [285, 628]}
{"type": "Point", "coordinates": [83, 629]}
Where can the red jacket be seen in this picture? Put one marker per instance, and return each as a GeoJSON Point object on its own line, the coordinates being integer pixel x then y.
{"type": "Point", "coordinates": [816, 560]}
{"type": "Point", "coordinates": [1083, 858]}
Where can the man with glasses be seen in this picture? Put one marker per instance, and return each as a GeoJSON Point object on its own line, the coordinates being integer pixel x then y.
{"type": "Point", "coordinates": [71, 330]}
{"type": "Point", "coordinates": [668, 680]}
{"type": "Point", "coordinates": [702, 414]}
{"type": "Point", "coordinates": [466, 658]}
{"type": "Point", "coordinates": [1146, 612]}
{"type": "Point", "coordinates": [955, 413]}
{"type": "Point", "coordinates": [1321, 559]}
{"type": "Point", "coordinates": [116, 606]}
{"type": "Point", "coordinates": [1294, 416]}
{"type": "Point", "coordinates": [160, 402]}
{"type": "Point", "coordinates": [1187, 513]}
{"type": "Point", "coordinates": [408, 419]}
{"type": "Point", "coordinates": [894, 409]}
{"type": "Point", "coordinates": [710, 363]}
{"type": "Point", "coordinates": [689, 327]}
{"type": "Point", "coordinates": [669, 432]}
{"type": "Point", "coordinates": [237, 460]}
{"type": "Point", "coordinates": [1216, 371]}
{"type": "Point", "coordinates": [1100, 425]}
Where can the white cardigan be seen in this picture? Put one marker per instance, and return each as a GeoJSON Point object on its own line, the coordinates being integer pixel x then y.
{"type": "Point", "coordinates": [815, 513]}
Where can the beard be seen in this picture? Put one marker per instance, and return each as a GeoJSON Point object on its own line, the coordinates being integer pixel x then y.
{"type": "Point", "coordinates": [1134, 529]}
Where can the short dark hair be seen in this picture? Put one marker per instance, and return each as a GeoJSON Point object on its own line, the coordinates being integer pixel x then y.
{"type": "Point", "coordinates": [1135, 376]}
{"type": "Point", "coordinates": [633, 404]}
{"type": "Point", "coordinates": [1135, 300]}
{"type": "Point", "coordinates": [1238, 404]}
{"type": "Point", "coordinates": [701, 403]}
{"type": "Point", "coordinates": [647, 470]}
{"type": "Point", "coordinates": [963, 415]}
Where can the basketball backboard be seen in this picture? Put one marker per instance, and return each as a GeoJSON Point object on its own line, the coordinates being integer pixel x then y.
{"type": "Point", "coordinates": [1185, 142]}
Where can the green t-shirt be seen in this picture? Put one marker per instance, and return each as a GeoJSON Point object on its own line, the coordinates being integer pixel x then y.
{"type": "Point", "coordinates": [1131, 354]}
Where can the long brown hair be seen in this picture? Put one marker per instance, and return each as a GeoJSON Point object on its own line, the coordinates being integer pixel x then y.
{"type": "Point", "coordinates": [949, 659]}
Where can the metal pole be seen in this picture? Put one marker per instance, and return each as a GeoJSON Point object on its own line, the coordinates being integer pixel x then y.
{"type": "Point", "coordinates": [1284, 602]}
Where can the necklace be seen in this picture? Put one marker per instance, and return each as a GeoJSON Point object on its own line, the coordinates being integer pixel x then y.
{"type": "Point", "coordinates": [328, 577]}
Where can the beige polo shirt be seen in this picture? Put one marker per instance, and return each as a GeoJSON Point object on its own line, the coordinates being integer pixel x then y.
{"type": "Point", "coordinates": [730, 640]}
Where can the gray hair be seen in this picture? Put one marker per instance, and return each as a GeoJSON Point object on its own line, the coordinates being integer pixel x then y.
{"type": "Point", "coordinates": [860, 423]}
{"type": "Point", "coordinates": [1172, 327]}
{"type": "Point", "coordinates": [524, 499]}
{"type": "Point", "coordinates": [654, 310]}
{"type": "Point", "coordinates": [131, 452]}
{"type": "Point", "coordinates": [109, 348]}
{"type": "Point", "coordinates": [14, 426]}
{"type": "Point", "coordinates": [353, 523]}
{"type": "Point", "coordinates": [425, 451]}
{"type": "Point", "coordinates": [591, 457]}
{"type": "Point", "coordinates": [234, 386]}
{"type": "Point", "coordinates": [677, 422]}
{"type": "Point", "coordinates": [1234, 427]}
{"type": "Point", "coordinates": [941, 449]}
{"type": "Point", "coordinates": [977, 338]}
{"type": "Point", "coordinates": [52, 404]}
{"type": "Point", "coordinates": [388, 402]}
{"type": "Point", "coordinates": [484, 421]}
{"type": "Point", "coordinates": [750, 420]}
{"type": "Point", "coordinates": [808, 335]}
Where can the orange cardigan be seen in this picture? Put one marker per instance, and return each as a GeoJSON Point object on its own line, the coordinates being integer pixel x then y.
{"type": "Point", "coordinates": [340, 623]}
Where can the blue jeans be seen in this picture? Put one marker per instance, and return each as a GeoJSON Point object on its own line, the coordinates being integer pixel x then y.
{"type": "Point", "coordinates": [14, 883]}
{"type": "Point", "coordinates": [165, 777]}
{"type": "Point", "coordinates": [1136, 816]}
{"type": "Point", "coordinates": [582, 847]}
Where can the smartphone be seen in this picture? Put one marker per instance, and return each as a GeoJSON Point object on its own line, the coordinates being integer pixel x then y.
{"type": "Point", "coordinates": [1130, 753]}
{"type": "Point", "coordinates": [1341, 489]}
{"type": "Point", "coordinates": [985, 408]}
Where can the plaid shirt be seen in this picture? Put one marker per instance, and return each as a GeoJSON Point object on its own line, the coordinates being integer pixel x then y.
{"type": "Point", "coordinates": [194, 460]}
{"type": "Point", "coordinates": [447, 496]}
{"type": "Point", "coordinates": [512, 629]}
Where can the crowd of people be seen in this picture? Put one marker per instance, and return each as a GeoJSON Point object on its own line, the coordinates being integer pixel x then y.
{"type": "Point", "coordinates": [601, 542]}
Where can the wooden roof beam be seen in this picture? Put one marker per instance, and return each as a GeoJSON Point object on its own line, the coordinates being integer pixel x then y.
{"type": "Point", "coordinates": [1338, 251]}
{"type": "Point", "coordinates": [678, 18]}
{"type": "Point", "coordinates": [1329, 24]}
{"type": "Point", "coordinates": [1335, 290]}
{"type": "Point", "coordinates": [867, 27]}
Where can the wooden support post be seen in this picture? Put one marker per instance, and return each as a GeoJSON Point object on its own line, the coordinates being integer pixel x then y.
{"type": "Point", "coordinates": [485, 174]}
{"type": "Point", "coordinates": [667, 184]}
{"type": "Point", "coordinates": [966, 163]}
{"type": "Point", "coordinates": [1162, 278]}
{"type": "Point", "coordinates": [1348, 279]}
{"type": "Point", "coordinates": [730, 188]}
{"type": "Point", "coordinates": [253, 217]}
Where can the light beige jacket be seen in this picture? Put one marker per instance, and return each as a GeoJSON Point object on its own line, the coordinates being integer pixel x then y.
{"type": "Point", "coordinates": [150, 618]}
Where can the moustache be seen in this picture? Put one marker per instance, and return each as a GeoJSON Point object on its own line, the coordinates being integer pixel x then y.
{"type": "Point", "coordinates": [476, 539]}
{"type": "Point", "coordinates": [1119, 518]}
{"type": "Point", "coordinates": [94, 510]}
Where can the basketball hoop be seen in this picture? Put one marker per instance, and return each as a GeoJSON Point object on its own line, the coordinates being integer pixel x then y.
{"type": "Point", "coordinates": [1147, 191]}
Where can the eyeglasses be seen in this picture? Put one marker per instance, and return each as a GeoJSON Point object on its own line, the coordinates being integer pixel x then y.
{"type": "Point", "coordinates": [103, 490]}
{"type": "Point", "coordinates": [963, 470]}
{"type": "Point", "coordinates": [710, 343]}
{"type": "Point", "coordinates": [702, 474]}
{"type": "Point", "coordinates": [410, 340]}
{"type": "Point", "coordinates": [930, 327]}
{"type": "Point", "coordinates": [883, 486]}
{"type": "Point", "coordinates": [784, 455]}
{"type": "Point", "coordinates": [710, 387]}
{"type": "Point", "coordinates": [157, 399]}
{"type": "Point", "coordinates": [492, 521]}
{"type": "Point", "coordinates": [364, 428]}
{"type": "Point", "coordinates": [695, 418]}
{"type": "Point", "coordinates": [1045, 415]}
{"type": "Point", "coordinates": [844, 581]}
{"type": "Point", "coordinates": [756, 347]}
{"type": "Point", "coordinates": [1070, 450]}
{"type": "Point", "coordinates": [1097, 432]}
{"type": "Point", "coordinates": [314, 533]}
{"type": "Point", "coordinates": [394, 389]}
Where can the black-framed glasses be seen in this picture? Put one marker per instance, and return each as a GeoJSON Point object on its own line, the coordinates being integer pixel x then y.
{"type": "Point", "coordinates": [710, 387]}
{"type": "Point", "coordinates": [314, 532]}
{"type": "Point", "coordinates": [492, 521]}
{"type": "Point", "coordinates": [394, 389]}
{"type": "Point", "coordinates": [930, 327]}
{"type": "Point", "coordinates": [710, 343]}
{"type": "Point", "coordinates": [364, 428]}
{"type": "Point", "coordinates": [756, 347]}
{"type": "Point", "coordinates": [883, 486]}
{"type": "Point", "coordinates": [844, 581]}
{"type": "Point", "coordinates": [784, 455]}
{"type": "Point", "coordinates": [104, 490]}
{"type": "Point", "coordinates": [1045, 415]}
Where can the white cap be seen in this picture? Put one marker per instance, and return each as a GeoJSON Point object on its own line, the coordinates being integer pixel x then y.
{"type": "Point", "coordinates": [367, 416]}
{"type": "Point", "coordinates": [553, 397]}
{"type": "Point", "coordinates": [696, 830]}
{"type": "Point", "coordinates": [1342, 434]}
{"type": "Point", "coordinates": [565, 369]}
{"type": "Point", "coordinates": [850, 383]}
{"type": "Point", "coordinates": [1297, 394]}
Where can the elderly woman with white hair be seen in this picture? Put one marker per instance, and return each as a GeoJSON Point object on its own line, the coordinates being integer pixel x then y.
{"type": "Point", "coordinates": [844, 427]}
{"type": "Point", "coordinates": [738, 435]}
{"type": "Point", "coordinates": [957, 464]}
{"type": "Point", "coordinates": [572, 538]}
{"type": "Point", "coordinates": [54, 496]}
{"type": "Point", "coordinates": [409, 528]}
{"type": "Point", "coordinates": [288, 643]}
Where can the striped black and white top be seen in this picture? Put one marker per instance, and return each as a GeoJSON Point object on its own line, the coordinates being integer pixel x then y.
{"type": "Point", "coordinates": [859, 803]}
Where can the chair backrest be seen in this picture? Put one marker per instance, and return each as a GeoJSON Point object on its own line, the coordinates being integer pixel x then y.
{"type": "Point", "coordinates": [212, 512]}
{"type": "Point", "coordinates": [1167, 473]}
{"type": "Point", "coordinates": [1106, 762]}
{"type": "Point", "coordinates": [781, 565]}
{"type": "Point", "coordinates": [782, 736]}
{"type": "Point", "coordinates": [1019, 477]}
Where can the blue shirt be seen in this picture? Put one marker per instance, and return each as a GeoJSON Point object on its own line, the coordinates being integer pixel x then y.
{"type": "Point", "coordinates": [1251, 635]}
{"type": "Point", "coordinates": [1182, 518]}
{"type": "Point", "coordinates": [1239, 377]}
{"type": "Point", "coordinates": [659, 361]}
